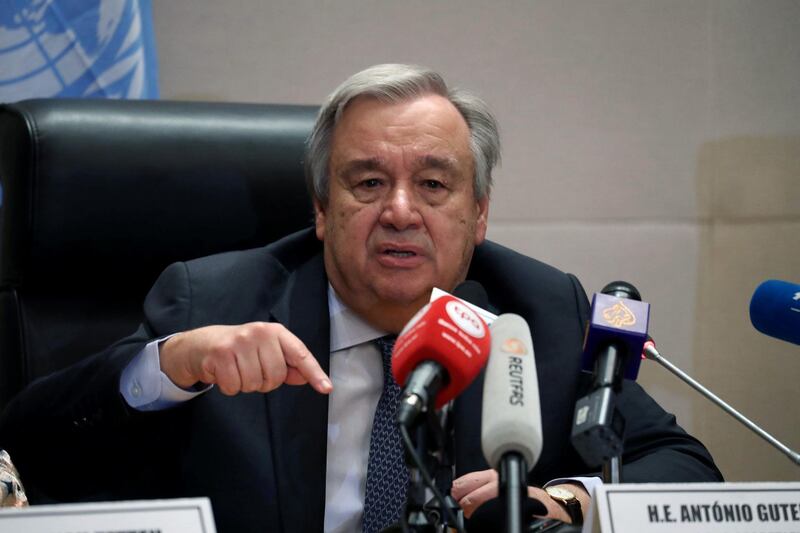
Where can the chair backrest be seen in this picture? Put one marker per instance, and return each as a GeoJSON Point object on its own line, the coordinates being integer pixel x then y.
{"type": "Point", "coordinates": [100, 195]}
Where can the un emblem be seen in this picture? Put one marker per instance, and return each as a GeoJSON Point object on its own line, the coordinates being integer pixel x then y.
{"type": "Point", "coordinates": [92, 48]}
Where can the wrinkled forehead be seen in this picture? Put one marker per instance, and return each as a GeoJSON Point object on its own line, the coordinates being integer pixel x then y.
{"type": "Point", "coordinates": [427, 122]}
{"type": "Point", "coordinates": [378, 103]}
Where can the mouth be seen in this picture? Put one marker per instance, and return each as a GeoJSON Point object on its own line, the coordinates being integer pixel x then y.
{"type": "Point", "coordinates": [399, 253]}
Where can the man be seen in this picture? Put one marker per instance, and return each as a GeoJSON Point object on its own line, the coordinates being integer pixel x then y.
{"type": "Point", "coordinates": [399, 167]}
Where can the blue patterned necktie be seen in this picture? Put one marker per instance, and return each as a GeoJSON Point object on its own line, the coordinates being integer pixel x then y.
{"type": "Point", "coordinates": [387, 475]}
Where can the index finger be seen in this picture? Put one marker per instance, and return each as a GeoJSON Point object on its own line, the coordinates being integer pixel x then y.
{"type": "Point", "coordinates": [299, 358]}
{"type": "Point", "coordinates": [471, 481]}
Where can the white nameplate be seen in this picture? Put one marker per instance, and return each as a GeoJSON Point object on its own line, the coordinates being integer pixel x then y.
{"type": "Point", "coordinates": [185, 515]}
{"type": "Point", "coordinates": [771, 507]}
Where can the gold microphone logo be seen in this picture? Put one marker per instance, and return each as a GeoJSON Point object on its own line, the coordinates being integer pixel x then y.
{"type": "Point", "coordinates": [618, 316]}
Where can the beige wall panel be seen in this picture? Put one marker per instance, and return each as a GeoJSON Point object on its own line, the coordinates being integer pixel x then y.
{"type": "Point", "coordinates": [753, 71]}
{"type": "Point", "coordinates": [745, 178]}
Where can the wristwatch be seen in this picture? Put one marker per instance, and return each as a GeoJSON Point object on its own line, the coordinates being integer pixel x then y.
{"type": "Point", "coordinates": [569, 502]}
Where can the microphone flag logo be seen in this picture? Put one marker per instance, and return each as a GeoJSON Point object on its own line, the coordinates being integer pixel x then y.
{"type": "Point", "coordinates": [619, 320]}
{"type": "Point", "coordinates": [619, 316]}
{"type": "Point", "coordinates": [465, 318]}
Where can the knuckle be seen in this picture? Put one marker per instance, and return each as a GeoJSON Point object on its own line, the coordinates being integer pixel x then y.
{"type": "Point", "coordinates": [272, 327]}
{"type": "Point", "coordinates": [275, 377]}
{"type": "Point", "coordinates": [223, 352]}
{"type": "Point", "coordinates": [227, 389]}
{"type": "Point", "coordinates": [241, 336]}
{"type": "Point", "coordinates": [262, 329]}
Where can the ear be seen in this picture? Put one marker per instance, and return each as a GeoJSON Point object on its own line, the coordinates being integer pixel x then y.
{"type": "Point", "coordinates": [482, 220]}
{"type": "Point", "coordinates": [319, 219]}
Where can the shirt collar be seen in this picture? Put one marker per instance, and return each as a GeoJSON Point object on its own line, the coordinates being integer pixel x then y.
{"type": "Point", "coordinates": [347, 328]}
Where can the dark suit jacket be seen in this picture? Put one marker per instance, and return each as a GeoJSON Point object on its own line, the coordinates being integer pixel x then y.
{"type": "Point", "coordinates": [261, 458]}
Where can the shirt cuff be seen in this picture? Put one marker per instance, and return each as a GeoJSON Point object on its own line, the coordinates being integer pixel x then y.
{"type": "Point", "coordinates": [146, 388]}
{"type": "Point", "coordinates": [589, 483]}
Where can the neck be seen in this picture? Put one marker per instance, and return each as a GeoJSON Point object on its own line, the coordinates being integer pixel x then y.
{"type": "Point", "coordinates": [390, 318]}
{"type": "Point", "coordinates": [387, 316]}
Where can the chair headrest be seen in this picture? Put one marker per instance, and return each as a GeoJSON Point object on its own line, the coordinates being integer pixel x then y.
{"type": "Point", "coordinates": [99, 189]}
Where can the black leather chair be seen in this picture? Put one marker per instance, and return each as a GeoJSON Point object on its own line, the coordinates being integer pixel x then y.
{"type": "Point", "coordinates": [100, 195]}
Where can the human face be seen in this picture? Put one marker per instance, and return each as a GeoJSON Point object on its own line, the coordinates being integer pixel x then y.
{"type": "Point", "coordinates": [401, 215]}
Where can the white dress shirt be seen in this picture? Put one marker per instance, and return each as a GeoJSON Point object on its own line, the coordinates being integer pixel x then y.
{"type": "Point", "coordinates": [357, 375]}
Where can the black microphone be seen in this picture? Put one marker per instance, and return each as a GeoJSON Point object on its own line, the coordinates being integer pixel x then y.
{"type": "Point", "coordinates": [615, 335]}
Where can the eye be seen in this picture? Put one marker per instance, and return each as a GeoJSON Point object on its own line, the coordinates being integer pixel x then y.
{"type": "Point", "coordinates": [369, 183]}
{"type": "Point", "coordinates": [433, 184]}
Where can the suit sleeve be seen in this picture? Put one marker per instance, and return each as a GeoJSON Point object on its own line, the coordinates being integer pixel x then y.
{"type": "Point", "coordinates": [72, 435]}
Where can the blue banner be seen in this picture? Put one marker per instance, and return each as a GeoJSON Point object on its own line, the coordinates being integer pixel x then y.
{"type": "Point", "coordinates": [77, 48]}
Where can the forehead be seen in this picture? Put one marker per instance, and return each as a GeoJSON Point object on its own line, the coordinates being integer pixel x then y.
{"type": "Point", "coordinates": [426, 123]}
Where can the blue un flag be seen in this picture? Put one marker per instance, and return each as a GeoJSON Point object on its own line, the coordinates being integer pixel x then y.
{"type": "Point", "coordinates": [77, 48]}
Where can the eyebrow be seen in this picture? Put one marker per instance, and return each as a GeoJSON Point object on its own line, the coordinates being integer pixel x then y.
{"type": "Point", "coordinates": [359, 165]}
{"type": "Point", "coordinates": [447, 164]}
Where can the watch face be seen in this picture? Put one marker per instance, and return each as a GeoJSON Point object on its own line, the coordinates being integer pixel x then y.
{"type": "Point", "coordinates": [558, 492]}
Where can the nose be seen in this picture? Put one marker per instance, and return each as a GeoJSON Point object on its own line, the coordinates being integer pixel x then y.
{"type": "Point", "coordinates": [400, 210]}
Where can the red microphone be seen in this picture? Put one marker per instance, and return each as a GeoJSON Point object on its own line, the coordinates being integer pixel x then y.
{"type": "Point", "coordinates": [437, 355]}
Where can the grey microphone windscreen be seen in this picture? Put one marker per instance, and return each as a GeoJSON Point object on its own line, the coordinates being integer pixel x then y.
{"type": "Point", "coordinates": [511, 416]}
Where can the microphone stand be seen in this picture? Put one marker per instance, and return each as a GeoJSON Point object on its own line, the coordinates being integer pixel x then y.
{"type": "Point", "coordinates": [416, 517]}
{"type": "Point", "coordinates": [611, 470]}
{"type": "Point", "coordinates": [432, 449]}
{"type": "Point", "coordinates": [609, 375]}
{"type": "Point", "coordinates": [652, 354]}
{"type": "Point", "coordinates": [444, 477]}
{"type": "Point", "coordinates": [513, 490]}
{"type": "Point", "coordinates": [599, 426]}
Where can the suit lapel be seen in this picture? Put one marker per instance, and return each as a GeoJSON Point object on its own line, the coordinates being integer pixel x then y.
{"type": "Point", "coordinates": [298, 416]}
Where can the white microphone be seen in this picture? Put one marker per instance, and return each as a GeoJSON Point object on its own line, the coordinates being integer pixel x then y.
{"type": "Point", "coordinates": [511, 418]}
{"type": "Point", "coordinates": [511, 423]}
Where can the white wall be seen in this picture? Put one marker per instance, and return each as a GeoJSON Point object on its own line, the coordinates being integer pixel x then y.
{"type": "Point", "coordinates": [652, 141]}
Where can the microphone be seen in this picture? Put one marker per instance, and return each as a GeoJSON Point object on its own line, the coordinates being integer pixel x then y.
{"type": "Point", "coordinates": [511, 422]}
{"type": "Point", "coordinates": [439, 352]}
{"type": "Point", "coordinates": [511, 417]}
{"type": "Point", "coordinates": [619, 319]}
{"type": "Point", "coordinates": [615, 335]}
{"type": "Point", "coordinates": [775, 310]}
{"type": "Point", "coordinates": [652, 354]}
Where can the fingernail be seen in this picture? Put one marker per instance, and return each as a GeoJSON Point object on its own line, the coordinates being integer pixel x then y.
{"type": "Point", "coordinates": [326, 385]}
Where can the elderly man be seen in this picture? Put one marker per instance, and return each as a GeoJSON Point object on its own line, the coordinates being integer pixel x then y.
{"type": "Point", "coordinates": [256, 375]}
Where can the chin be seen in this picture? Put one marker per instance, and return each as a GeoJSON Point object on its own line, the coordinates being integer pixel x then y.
{"type": "Point", "coordinates": [401, 292]}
